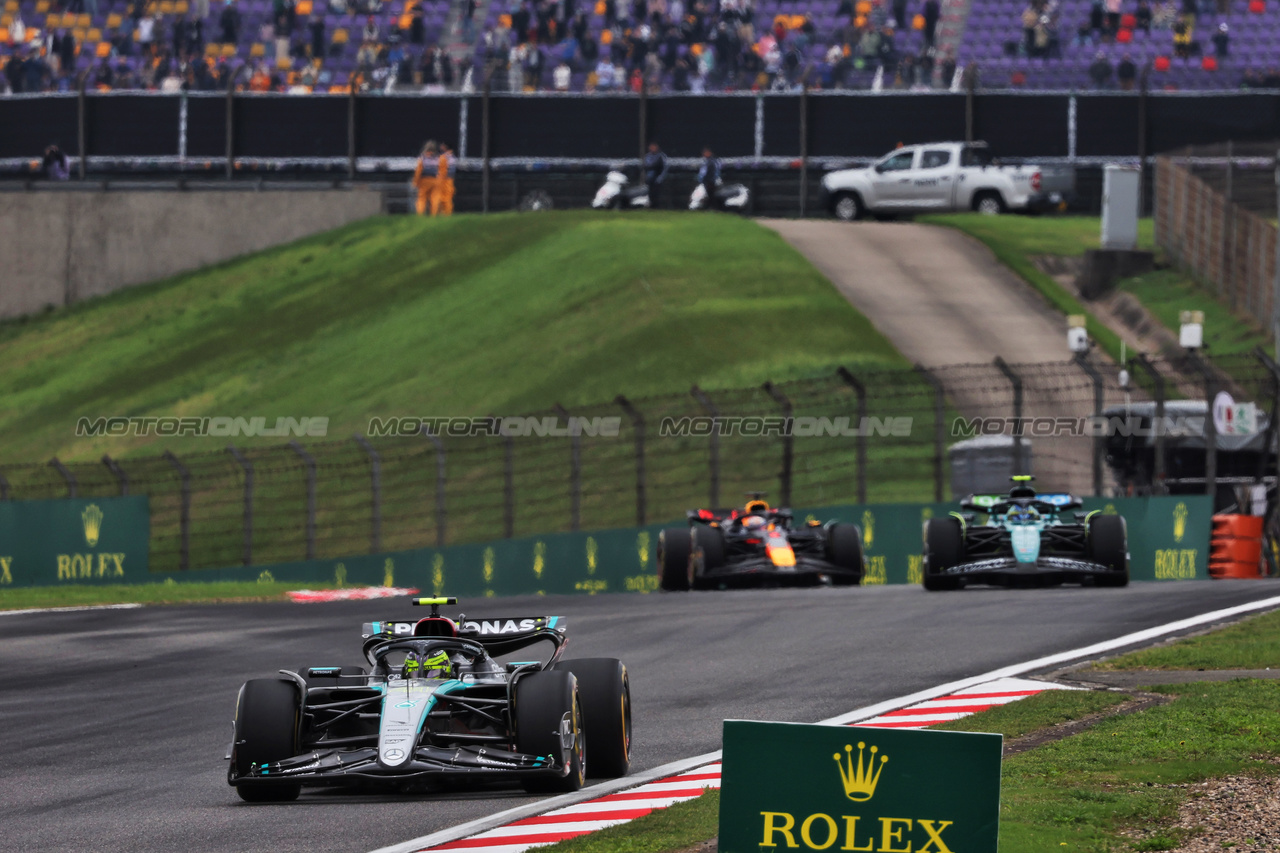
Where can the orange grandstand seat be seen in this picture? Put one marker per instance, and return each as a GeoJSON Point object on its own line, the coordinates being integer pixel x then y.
{"type": "Point", "coordinates": [166, 7]}
{"type": "Point", "coordinates": [340, 36]}
{"type": "Point", "coordinates": [212, 49]}
{"type": "Point", "coordinates": [5, 20]}
{"type": "Point", "coordinates": [435, 626]}
{"type": "Point", "coordinates": [405, 22]}
{"type": "Point", "coordinates": [42, 7]}
{"type": "Point", "coordinates": [228, 50]}
{"type": "Point", "coordinates": [94, 34]}
{"type": "Point", "coordinates": [284, 63]}
{"type": "Point", "coordinates": [303, 7]}
{"type": "Point", "coordinates": [4, 36]}
{"type": "Point", "coordinates": [180, 7]}
{"type": "Point", "coordinates": [103, 50]}
{"type": "Point", "coordinates": [84, 21]}
{"type": "Point", "coordinates": [79, 33]}
{"type": "Point", "coordinates": [114, 20]}
{"type": "Point", "coordinates": [258, 51]}
{"type": "Point", "coordinates": [863, 7]}
{"type": "Point", "coordinates": [335, 89]}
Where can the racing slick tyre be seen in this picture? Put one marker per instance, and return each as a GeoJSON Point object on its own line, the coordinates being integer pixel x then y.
{"type": "Point", "coordinates": [1109, 546]}
{"type": "Point", "coordinates": [604, 689]}
{"type": "Point", "coordinates": [989, 202]}
{"type": "Point", "coordinates": [844, 549]}
{"type": "Point", "coordinates": [266, 730]}
{"type": "Point", "coordinates": [943, 548]}
{"type": "Point", "coordinates": [847, 207]}
{"type": "Point", "coordinates": [675, 566]}
{"type": "Point", "coordinates": [708, 553]}
{"type": "Point", "coordinates": [548, 712]}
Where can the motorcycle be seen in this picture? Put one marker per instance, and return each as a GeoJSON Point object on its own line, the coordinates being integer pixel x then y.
{"type": "Point", "coordinates": [618, 193]}
{"type": "Point", "coordinates": [733, 198]}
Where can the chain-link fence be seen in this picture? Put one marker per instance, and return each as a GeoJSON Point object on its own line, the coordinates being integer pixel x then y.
{"type": "Point", "coordinates": [1215, 214]}
{"type": "Point", "coordinates": [855, 436]}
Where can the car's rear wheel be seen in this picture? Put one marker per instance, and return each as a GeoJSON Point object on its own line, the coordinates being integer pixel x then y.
{"type": "Point", "coordinates": [989, 203]}
{"type": "Point", "coordinates": [266, 730]}
{"type": "Point", "coordinates": [943, 548]}
{"type": "Point", "coordinates": [1109, 546]}
{"type": "Point", "coordinates": [605, 692]}
{"type": "Point", "coordinates": [844, 549]}
{"type": "Point", "coordinates": [708, 552]}
{"type": "Point", "coordinates": [675, 568]}
{"type": "Point", "coordinates": [549, 720]}
{"type": "Point", "coordinates": [847, 207]}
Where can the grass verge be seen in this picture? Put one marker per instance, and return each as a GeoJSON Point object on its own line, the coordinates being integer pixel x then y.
{"type": "Point", "coordinates": [1253, 643]}
{"type": "Point", "coordinates": [80, 595]}
{"type": "Point", "coordinates": [1050, 708]}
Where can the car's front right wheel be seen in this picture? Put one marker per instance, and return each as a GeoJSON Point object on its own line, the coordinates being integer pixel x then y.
{"type": "Point", "coordinates": [266, 731]}
{"type": "Point", "coordinates": [943, 548]}
{"type": "Point", "coordinates": [548, 715]}
{"type": "Point", "coordinates": [674, 553]}
{"type": "Point", "coordinates": [605, 692]}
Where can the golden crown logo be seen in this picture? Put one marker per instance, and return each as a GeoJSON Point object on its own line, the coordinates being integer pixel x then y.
{"type": "Point", "coordinates": [860, 780]}
{"type": "Point", "coordinates": [591, 555]}
{"type": "Point", "coordinates": [539, 558]}
{"type": "Point", "coordinates": [642, 548]}
{"type": "Point", "coordinates": [488, 566]}
{"type": "Point", "coordinates": [868, 528]}
{"type": "Point", "coordinates": [1179, 521]}
{"type": "Point", "coordinates": [92, 518]}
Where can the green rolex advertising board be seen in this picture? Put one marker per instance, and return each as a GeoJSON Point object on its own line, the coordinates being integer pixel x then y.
{"type": "Point", "coordinates": [88, 540]}
{"type": "Point", "coordinates": [790, 786]}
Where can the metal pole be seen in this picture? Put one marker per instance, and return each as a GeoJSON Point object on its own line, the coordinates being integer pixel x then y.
{"type": "Point", "coordinates": [1019, 453]}
{"type": "Point", "coordinates": [970, 82]}
{"type": "Point", "coordinates": [644, 123]}
{"type": "Point", "coordinates": [575, 469]}
{"type": "Point", "coordinates": [231, 121]}
{"type": "Point", "coordinates": [441, 514]}
{"type": "Point", "coordinates": [4, 488]}
{"type": "Point", "coordinates": [1275, 276]}
{"type": "Point", "coordinates": [788, 440]}
{"type": "Point", "coordinates": [375, 486]}
{"type": "Point", "coordinates": [184, 510]}
{"type": "Point", "coordinates": [1229, 230]}
{"type": "Point", "coordinates": [637, 424]}
{"type": "Point", "coordinates": [247, 467]}
{"type": "Point", "coordinates": [1142, 138]}
{"type": "Point", "coordinates": [310, 462]}
{"type": "Point", "coordinates": [860, 446]}
{"type": "Point", "coordinates": [508, 486]}
{"type": "Point", "coordinates": [1210, 426]}
{"type": "Point", "coordinates": [1158, 425]}
{"type": "Point", "coordinates": [82, 133]}
{"type": "Point", "coordinates": [1273, 427]}
{"type": "Point", "coordinates": [351, 127]}
{"type": "Point", "coordinates": [705, 402]}
{"type": "Point", "coordinates": [72, 486]}
{"type": "Point", "coordinates": [114, 467]}
{"type": "Point", "coordinates": [939, 429]}
{"type": "Point", "coordinates": [804, 149]}
{"type": "Point", "coordinates": [1099, 400]}
{"type": "Point", "coordinates": [484, 141]}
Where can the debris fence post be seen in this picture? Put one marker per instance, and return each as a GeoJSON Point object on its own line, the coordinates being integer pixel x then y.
{"type": "Point", "coordinates": [508, 485]}
{"type": "Point", "coordinates": [939, 429]}
{"type": "Point", "coordinates": [1082, 359]}
{"type": "Point", "coordinates": [788, 440]}
{"type": "Point", "coordinates": [710, 408]}
{"type": "Point", "coordinates": [442, 515]}
{"type": "Point", "coordinates": [73, 487]}
{"type": "Point", "coordinates": [575, 469]}
{"type": "Point", "coordinates": [860, 446]}
{"type": "Point", "coordinates": [119, 473]}
{"type": "Point", "coordinates": [1019, 448]}
{"type": "Point", "coordinates": [247, 467]}
{"type": "Point", "coordinates": [375, 489]}
{"type": "Point", "coordinates": [637, 424]}
{"type": "Point", "coordinates": [310, 462]}
{"type": "Point", "coordinates": [1158, 425]}
{"type": "Point", "coordinates": [184, 511]}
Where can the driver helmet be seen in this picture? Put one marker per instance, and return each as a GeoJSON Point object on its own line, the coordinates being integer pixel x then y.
{"type": "Point", "coordinates": [751, 522]}
{"type": "Point", "coordinates": [434, 665]}
{"type": "Point", "coordinates": [1019, 513]}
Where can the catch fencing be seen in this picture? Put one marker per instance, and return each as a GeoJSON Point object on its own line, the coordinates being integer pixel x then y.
{"type": "Point", "coordinates": [252, 505]}
{"type": "Point", "coordinates": [1215, 215]}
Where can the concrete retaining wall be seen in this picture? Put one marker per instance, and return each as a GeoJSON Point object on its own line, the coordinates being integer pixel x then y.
{"type": "Point", "coordinates": [62, 247]}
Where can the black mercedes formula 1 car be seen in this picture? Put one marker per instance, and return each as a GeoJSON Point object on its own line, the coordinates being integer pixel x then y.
{"type": "Point", "coordinates": [1026, 540]}
{"type": "Point", "coordinates": [757, 545]}
{"type": "Point", "coordinates": [435, 706]}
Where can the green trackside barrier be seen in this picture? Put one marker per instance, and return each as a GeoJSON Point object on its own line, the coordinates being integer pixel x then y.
{"type": "Point", "coordinates": [46, 542]}
{"type": "Point", "coordinates": [89, 540]}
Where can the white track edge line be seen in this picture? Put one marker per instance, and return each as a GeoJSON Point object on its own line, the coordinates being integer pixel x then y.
{"type": "Point", "coordinates": [474, 827]}
{"type": "Point", "coordinates": [70, 609]}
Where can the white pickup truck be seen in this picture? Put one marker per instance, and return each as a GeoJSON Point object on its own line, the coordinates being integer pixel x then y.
{"type": "Point", "coordinates": [941, 177]}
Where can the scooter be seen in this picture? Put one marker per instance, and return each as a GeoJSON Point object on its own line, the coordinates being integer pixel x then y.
{"type": "Point", "coordinates": [619, 194]}
{"type": "Point", "coordinates": [733, 198]}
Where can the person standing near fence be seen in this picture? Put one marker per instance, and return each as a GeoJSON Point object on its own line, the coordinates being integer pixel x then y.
{"type": "Point", "coordinates": [442, 197]}
{"type": "Point", "coordinates": [424, 177]}
{"type": "Point", "coordinates": [655, 175]}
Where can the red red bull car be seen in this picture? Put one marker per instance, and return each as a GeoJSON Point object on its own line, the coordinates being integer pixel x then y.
{"type": "Point", "coordinates": [757, 545]}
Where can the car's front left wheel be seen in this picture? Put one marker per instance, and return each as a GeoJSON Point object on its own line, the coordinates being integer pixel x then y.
{"type": "Point", "coordinates": [268, 713]}
{"type": "Point", "coordinates": [604, 689]}
{"type": "Point", "coordinates": [844, 549]}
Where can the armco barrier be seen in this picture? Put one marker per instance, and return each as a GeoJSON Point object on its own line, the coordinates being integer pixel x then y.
{"type": "Point", "coordinates": [87, 540]}
{"type": "Point", "coordinates": [1168, 540]}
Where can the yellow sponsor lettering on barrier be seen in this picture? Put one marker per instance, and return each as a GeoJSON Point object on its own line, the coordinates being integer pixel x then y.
{"type": "Point", "coordinates": [641, 583]}
{"type": "Point", "coordinates": [876, 571]}
{"type": "Point", "coordinates": [1175, 563]}
{"type": "Point", "coordinates": [85, 567]}
{"type": "Point", "coordinates": [591, 586]}
{"type": "Point", "coordinates": [915, 568]}
{"type": "Point", "coordinates": [821, 831]}
{"type": "Point", "coordinates": [6, 575]}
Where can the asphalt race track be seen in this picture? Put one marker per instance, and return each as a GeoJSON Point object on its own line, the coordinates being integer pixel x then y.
{"type": "Point", "coordinates": [115, 721]}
